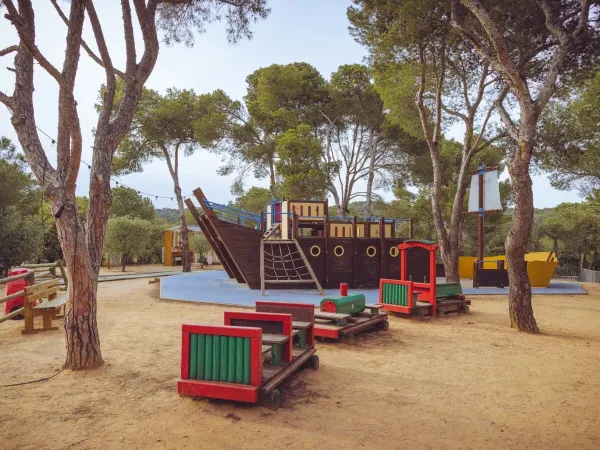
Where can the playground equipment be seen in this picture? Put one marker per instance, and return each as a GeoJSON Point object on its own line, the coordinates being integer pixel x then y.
{"type": "Point", "coordinates": [540, 269]}
{"type": "Point", "coordinates": [296, 244]}
{"type": "Point", "coordinates": [248, 357]}
{"type": "Point", "coordinates": [408, 297]}
{"type": "Point", "coordinates": [346, 315]}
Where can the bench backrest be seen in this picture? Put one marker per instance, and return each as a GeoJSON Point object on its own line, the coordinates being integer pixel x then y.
{"type": "Point", "coordinates": [47, 289]}
{"type": "Point", "coordinates": [221, 353]}
{"type": "Point", "coordinates": [301, 312]}
{"type": "Point", "coordinates": [268, 322]}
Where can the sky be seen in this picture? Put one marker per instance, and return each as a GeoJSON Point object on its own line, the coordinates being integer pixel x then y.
{"type": "Point", "coordinates": [313, 31]}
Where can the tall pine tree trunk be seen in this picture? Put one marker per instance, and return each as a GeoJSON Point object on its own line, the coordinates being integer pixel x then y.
{"type": "Point", "coordinates": [371, 176]}
{"type": "Point", "coordinates": [519, 298]}
{"type": "Point", "coordinates": [82, 338]}
{"type": "Point", "coordinates": [184, 233]}
{"type": "Point", "coordinates": [185, 238]}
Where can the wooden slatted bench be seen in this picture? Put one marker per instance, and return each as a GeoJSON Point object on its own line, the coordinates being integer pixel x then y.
{"type": "Point", "coordinates": [276, 331]}
{"type": "Point", "coordinates": [280, 339]}
{"type": "Point", "coordinates": [48, 309]}
{"type": "Point", "coordinates": [303, 319]}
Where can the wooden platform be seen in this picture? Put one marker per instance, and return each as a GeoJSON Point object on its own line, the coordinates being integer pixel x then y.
{"type": "Point", "coordinates": [328, 328]}
{"type": "Point", "coordinates": [444, 306]}
{"type": "Point", "coordinates": [273, 376]}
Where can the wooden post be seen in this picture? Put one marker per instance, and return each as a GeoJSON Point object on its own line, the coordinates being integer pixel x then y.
{"type": "Point", "coordinates": [393, 232]}
{"type": "Point", "coordinates": [410, 228]}
{"type": "Point", "coordinates": [368, 228]}
{"type": "Point", "coordinates": [480, 252]}
{"type": "Point", "coordinates": [382, 265]}
{"type": "Point", "coordinates": [262, 267]}
{"type": "Point", "coordinates": [354, 226]}
{"type": "Point", "coordinates": [294, 225]}
{"type": "Point", "coordinates": [326, 234]}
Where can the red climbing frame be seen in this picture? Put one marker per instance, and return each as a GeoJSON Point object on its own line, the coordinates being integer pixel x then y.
{"type": "Point", "coordinates": [426, 291]}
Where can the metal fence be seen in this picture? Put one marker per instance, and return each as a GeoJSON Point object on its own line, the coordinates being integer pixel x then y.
{"type": "Point", "coordinates": [577, 274]}
{"type": "Point", "coordinates": [589, 276]}
{"type": "Point", "coordinates": [567, 273]}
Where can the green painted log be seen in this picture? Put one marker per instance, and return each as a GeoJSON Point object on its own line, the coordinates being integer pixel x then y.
{"type": "Point", "coordinates": [193, 356]}
{"type": "Point", "coordinates": [239, 360]}
{"type": "Point", "coordinates": [224, 357]}
{"type": "Point", "coordinates": [216, 372]}
{"type": "Point", "coordinates": [208, 357]}
{"type": "Point", "coordinates": [350, 304]}
{"type": "Point", "coordinates": [200, 358]}
{"type": "Point", "coordinates": [246, 360]}
{"type": "Point", "coordinates": [448, 290]}
{"type": "Point", "coordinates": [231, 363]}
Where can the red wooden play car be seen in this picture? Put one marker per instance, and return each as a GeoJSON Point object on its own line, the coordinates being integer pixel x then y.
{"type": "Point", "coordinates": [248, 357]}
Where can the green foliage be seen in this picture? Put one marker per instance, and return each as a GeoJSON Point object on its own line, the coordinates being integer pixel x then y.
{"type": "Point", "coordinates": [164, 124]}
{"type": "Point", "coordinates": [126, 202]}
{"type": "Point", "coordinates": [17, 186]}
{"type": "Point", "coordinates": [130, 238]}
{"type": "Point", "coordinates": [299, 164]}
{"type": "Point", "coordinates": [171, 216]}
{"type": "Point", "coordinates": [569, 140]}
{"type": "Point", "coordinates": [200, 246]}
{"type": "Point", "coordinates": [20, 238]}
{"type": "Point", "coordinates": [254, 200]}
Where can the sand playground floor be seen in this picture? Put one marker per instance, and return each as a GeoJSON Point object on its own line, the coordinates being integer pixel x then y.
{"type": "Point", "coordinates": [465, 381]}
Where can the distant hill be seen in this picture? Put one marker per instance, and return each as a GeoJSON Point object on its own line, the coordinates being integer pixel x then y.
{"type": "Point", "coordinates": [169, 214]}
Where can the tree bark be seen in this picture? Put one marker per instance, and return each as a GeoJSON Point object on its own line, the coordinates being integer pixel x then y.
{"type": "Point", "coordinates": [174, 171]}
{"type": "Point", "coordinates": [185, 239]}
{"type": "Point", "coordinates": [82, 338]}
{"type": "Point", "coordinates": [519, 298]}
{"type": "Point", "coordinates": [371, 176]}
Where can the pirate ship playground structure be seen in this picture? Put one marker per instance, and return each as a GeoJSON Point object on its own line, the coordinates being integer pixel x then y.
{"type": "Point", "coordinates": [295, 244]}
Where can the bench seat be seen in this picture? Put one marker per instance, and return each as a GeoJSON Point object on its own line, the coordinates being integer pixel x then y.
{"type": "Point", "coordinates": [52, 304]}
{"type": "Point", "coordinates": [280, 339]}
{"type": "Point", "coordinates": [301, 325]}
{"type": "Point", "coordinates": [331, 316]}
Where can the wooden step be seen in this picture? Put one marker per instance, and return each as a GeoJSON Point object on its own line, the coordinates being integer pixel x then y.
{"type": "Point", "coordinates": [331, 316]}
{"type": "Point", "coordinates": [268, 338]}
{"type": "Point", "coordinates": [301, 325]}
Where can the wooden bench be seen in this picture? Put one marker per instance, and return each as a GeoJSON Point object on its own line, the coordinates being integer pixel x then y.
{"type": "Point", "coordinates": [339, 319]}
{"type": "Point", "coordinates": [276, 331]}
{"type": "Point", "coordinates": [303, 319]}
{"type": "Point", "coordinates": [48, 309]}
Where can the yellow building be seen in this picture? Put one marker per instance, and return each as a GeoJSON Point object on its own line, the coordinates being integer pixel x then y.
{"type": "Point", "coordinates": [172, 251]}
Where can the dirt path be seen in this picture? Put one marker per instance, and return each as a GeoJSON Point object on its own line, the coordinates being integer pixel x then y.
{"type": "Point", "coordinates": [458, 382]}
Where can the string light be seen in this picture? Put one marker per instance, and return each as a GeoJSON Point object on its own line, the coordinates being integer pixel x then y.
{"type": "Point", "coordinates": [53, 141]}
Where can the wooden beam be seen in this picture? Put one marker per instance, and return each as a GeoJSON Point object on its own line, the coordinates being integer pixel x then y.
{"type": "Point", "coordinates": [309, 267]}
{"type": "Point", "coordinates": [11, 315]}
{"type": "Point", "coordinates": [11, 296]}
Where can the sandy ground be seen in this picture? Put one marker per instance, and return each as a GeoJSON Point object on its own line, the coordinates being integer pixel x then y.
{"type": "Point", "coordinates": [458, 382]}
{"type": "Point", "coordinates": [151, 268]}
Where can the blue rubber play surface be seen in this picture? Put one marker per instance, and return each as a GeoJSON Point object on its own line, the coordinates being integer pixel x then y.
{"type": "Point", "coordinates": [214, 286]}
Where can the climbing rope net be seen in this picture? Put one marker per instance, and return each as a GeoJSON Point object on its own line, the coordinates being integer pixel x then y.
{"type": "Point", "coordinates": [283, 261]}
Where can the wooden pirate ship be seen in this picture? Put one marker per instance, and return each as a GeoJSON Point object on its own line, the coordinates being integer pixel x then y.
{"type": "Point", "coordinates": [296, 244]}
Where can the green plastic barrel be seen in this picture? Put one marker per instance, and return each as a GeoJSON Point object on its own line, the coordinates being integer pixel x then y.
{"type": "Point", "coordinates": [350, 304]}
